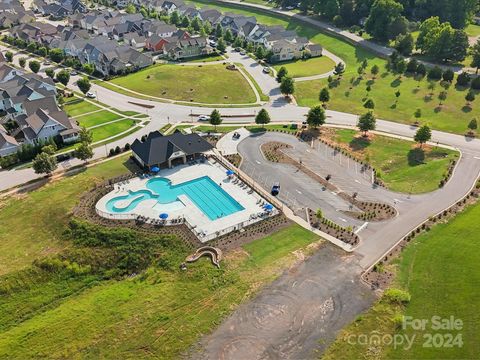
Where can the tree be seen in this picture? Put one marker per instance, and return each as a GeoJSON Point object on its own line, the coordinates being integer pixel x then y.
{"type": "Point", "coordinates": [470, 97]}
{"type": "Point", "coordinates": [473, 125]}
{"type": "Point", "coordinates": [50, 73]}
{"type": "Point", "coordinates": [330, 8]}
{"type": "Point", "coordinates": [324, 95]}
{"type": "Point", "coordinates": [281, 73]}
{"type": "Point", "coordinates": [221, 46]}
{"type": "Point", "coordinates": [56, 55]}
{"type": "Point", "coordinates": [375, 70]}
{"type": "Point", "coordinates": [435, 73]}
{"type": "Point", "coordinates": [316, 116]}
{"type": "Point", "coordinates": [130, 9]}
{"type": "Point", "coordinates": [88, 68]}
{"type": "Point", "coordinates": [219, 31]}
{"type": "Point", "coordinates": [287, 86]}
{"type": "Point", "coordinates": [475, 83]}
{"type": "Point", "coordinates": [418, 113]}
{"type": "Point", "coordinates": [260, 52]}
{"type": "Point", "coordinates": [442, 97]}
{"type": "Point", "coordinates": [42, 51]}
{"type": "Point", "coordinates": [84, 151]}
{"type": "Point", "coordinates": [63, 76]}
{"type": "Point", "coordinates": [34, 65]}
{"type": "Point", "coordinates": [339, 69]}
{"type": "Point", "coordinates": [423, 135]}
{"type": "Point", "coordinates": [448, 75]}
{"type": "Point", "coordinates": [44, 163]}
{"type": "Point", "coordinates": [400, 67]}
{"type": "Point", "coordinates": [9, 56]}
{"type": "Point", "coordinates": [185, 23]}
{"type": "Point", "coordinates": [367, 122]}
{"type": "Point", "coordinates": [421, 70]}
{"type": "Point", "coordinates": [404, 44]}
{"type": "Point", "coordinates": [463, 79]}
{"type": "Point", "coordinates": [383, 15]}
{"type": "Point", "coordinates": [22, 62]}
{"type": "Point", "coordinates": [397, 94]}
{"type": "Point", "coordinates": [215, 118]}
{"type": "Point", "coordinates": [369, 104]}
{"type": "Point", "coordinates": [475, 53]}
{"type": "Point", "coordinates": [84, 85]}
{"type": "Point", "coordinates": [85, 135]}
{"type": "Point", "coordinates": [228, 36]}
{"type": "Point", "coordinates": [175, 18]}
{"type": "Point", "coordinates": [262, 118]}
{"type": "Point", "coordinates": [196, 24]}
{"type": "Point", "coordinates": [412, 66]}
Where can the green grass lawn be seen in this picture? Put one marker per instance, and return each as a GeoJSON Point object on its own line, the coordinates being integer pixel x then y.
{"type": "Point", "coordinates": [161, 312]}
{"type": "Point", "coordinates": [97, 118]}
{"type": "Point", "coordinates": [440, 271]}
{"type": "Point", "coordinates": [313, 66]}
{"type": "Point", "coordinates": [79, 107]}
{"type": "Point", "coordinates": [473, 30]}
{"type": "Point", "coordinates": [23, 241]}
{"type": "Point", "coordinates": [453, 116]}
{"type": "Point", "coordinates": [156, 313]}
{"type": "Point", "coordinates": [105, 131]}
{"type": "Point", "coordinates": [402, 166]}
{"type": "Point", "coordinates": [209, 58]}
{"type": "Point", "coordinates": [208, 84]}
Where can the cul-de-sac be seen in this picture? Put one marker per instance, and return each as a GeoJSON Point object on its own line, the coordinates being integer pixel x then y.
{"type": "Point", "coordinates": [239, 179]}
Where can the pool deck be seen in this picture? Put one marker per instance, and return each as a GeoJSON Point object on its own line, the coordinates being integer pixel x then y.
{"type": "Point", "coordinates": [205, 228]}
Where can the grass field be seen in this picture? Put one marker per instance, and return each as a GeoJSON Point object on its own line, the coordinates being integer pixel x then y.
{"type": "Point", "coordinates": [156, 313]}
{"type": "Point", "coordinates": [453, 116]}
{"type": "Point", "coordinates": [473, 30]}
{"type": "Point", "coordinates": [23, 241]}
{"type": "Point", "coordinates": [106, 131]}
{"type": "Point", "coordinates": [313, 66]}
{"type": "Point", "coordinates": [210, 84]}
{"type": "Point", "coordinates": [78, 107]}
{"type": "Point", "coordinates": [402, 165]}
{"type": "Point", "coordinates": [96, 118]}
{"type": "Point", "coordinates": [440, 271]}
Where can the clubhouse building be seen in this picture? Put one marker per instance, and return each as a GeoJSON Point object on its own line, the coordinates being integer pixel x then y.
{"type": "Point", "coordinates": [164, 151]}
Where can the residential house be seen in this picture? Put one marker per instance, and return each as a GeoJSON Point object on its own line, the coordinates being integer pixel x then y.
{"type": "Point", "coordinates": [8, 144]}
{"type": "Point", "coordinates": [188, 48]}
{"type": "Point", "coordinates": [135, 40]}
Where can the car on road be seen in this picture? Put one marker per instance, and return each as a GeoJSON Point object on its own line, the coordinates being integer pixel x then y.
{"type": "Point", "coordinates": [238, 49]}
{"type": "Point", "coordinates": [46, 62]}
{"type": "Point", "coordinates": [266, 70]}
{"type": "Point", "coordinates": [73, 73]}
{"type": "Point", "coordinates": [203, 118]}
{"type": "Point", "coordinates": [91, 95]}
{"type": "Point", "coordinates": [243, 52]}
{"type": "Point", "coordinates": [275, 189]}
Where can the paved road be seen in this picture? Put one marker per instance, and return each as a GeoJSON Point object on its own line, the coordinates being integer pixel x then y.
{"type": "Point", "coordinates": [295, 315]}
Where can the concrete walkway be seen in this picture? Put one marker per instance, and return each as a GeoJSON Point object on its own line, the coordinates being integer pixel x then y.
{"type": "Point", "coordinates": [227, 145]}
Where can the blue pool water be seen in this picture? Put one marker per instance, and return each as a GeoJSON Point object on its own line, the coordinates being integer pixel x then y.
{"type": "Point", "coordinates": [208, 196]}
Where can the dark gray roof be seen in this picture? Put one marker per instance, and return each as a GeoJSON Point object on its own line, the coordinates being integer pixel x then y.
{"type": "Point", "coordinates": [157, 148]}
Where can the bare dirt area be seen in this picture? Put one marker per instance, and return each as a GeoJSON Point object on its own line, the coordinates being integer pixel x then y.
{"type": "Point", "coordinates": [298, 315]}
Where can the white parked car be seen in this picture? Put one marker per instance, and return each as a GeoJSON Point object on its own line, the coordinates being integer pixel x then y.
{"type": "Point", "coordinates": [91, 95]}
{"type": "Point", "coordinates": [266, 70]}
{"type": "Point", "coordinates": [203, 118]}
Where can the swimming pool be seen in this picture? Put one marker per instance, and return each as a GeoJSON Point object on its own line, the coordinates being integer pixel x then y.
{"type": "Point", "coordinates": [208, 196]}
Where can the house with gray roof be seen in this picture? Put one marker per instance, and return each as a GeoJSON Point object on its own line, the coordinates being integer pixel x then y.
{"type": "Point", "coordinates": [163, 150]}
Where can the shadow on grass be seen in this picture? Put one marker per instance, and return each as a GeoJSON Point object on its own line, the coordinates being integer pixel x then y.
{"type": "Point", "coordinates": [359, 143]}
{"type": "Point", "coordinates": [416, 157]}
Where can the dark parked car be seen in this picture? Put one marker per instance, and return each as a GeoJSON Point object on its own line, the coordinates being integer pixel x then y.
{"type": "Point", "coordinates": [275, 189]}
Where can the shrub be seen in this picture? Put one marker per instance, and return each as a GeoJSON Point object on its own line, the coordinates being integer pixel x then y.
{"type": "Point", "coordinates": [111, 152]}
{"type": "Point", "coordinates": [463, 79]}
{"type": "Point", "coordinates": [127, 147]}
{"type": "Point", "coordinates": [435, 73]}
{"type": "Point", "coordinates": [475, 85]}
{"type": "Point", "coordinates": [118, 150]}
{"type": "Point", "coordinates": [397, 296]}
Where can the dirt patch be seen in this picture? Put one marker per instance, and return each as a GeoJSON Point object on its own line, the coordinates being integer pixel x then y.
{"type": "Point", "coordinates": [234, 159]}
